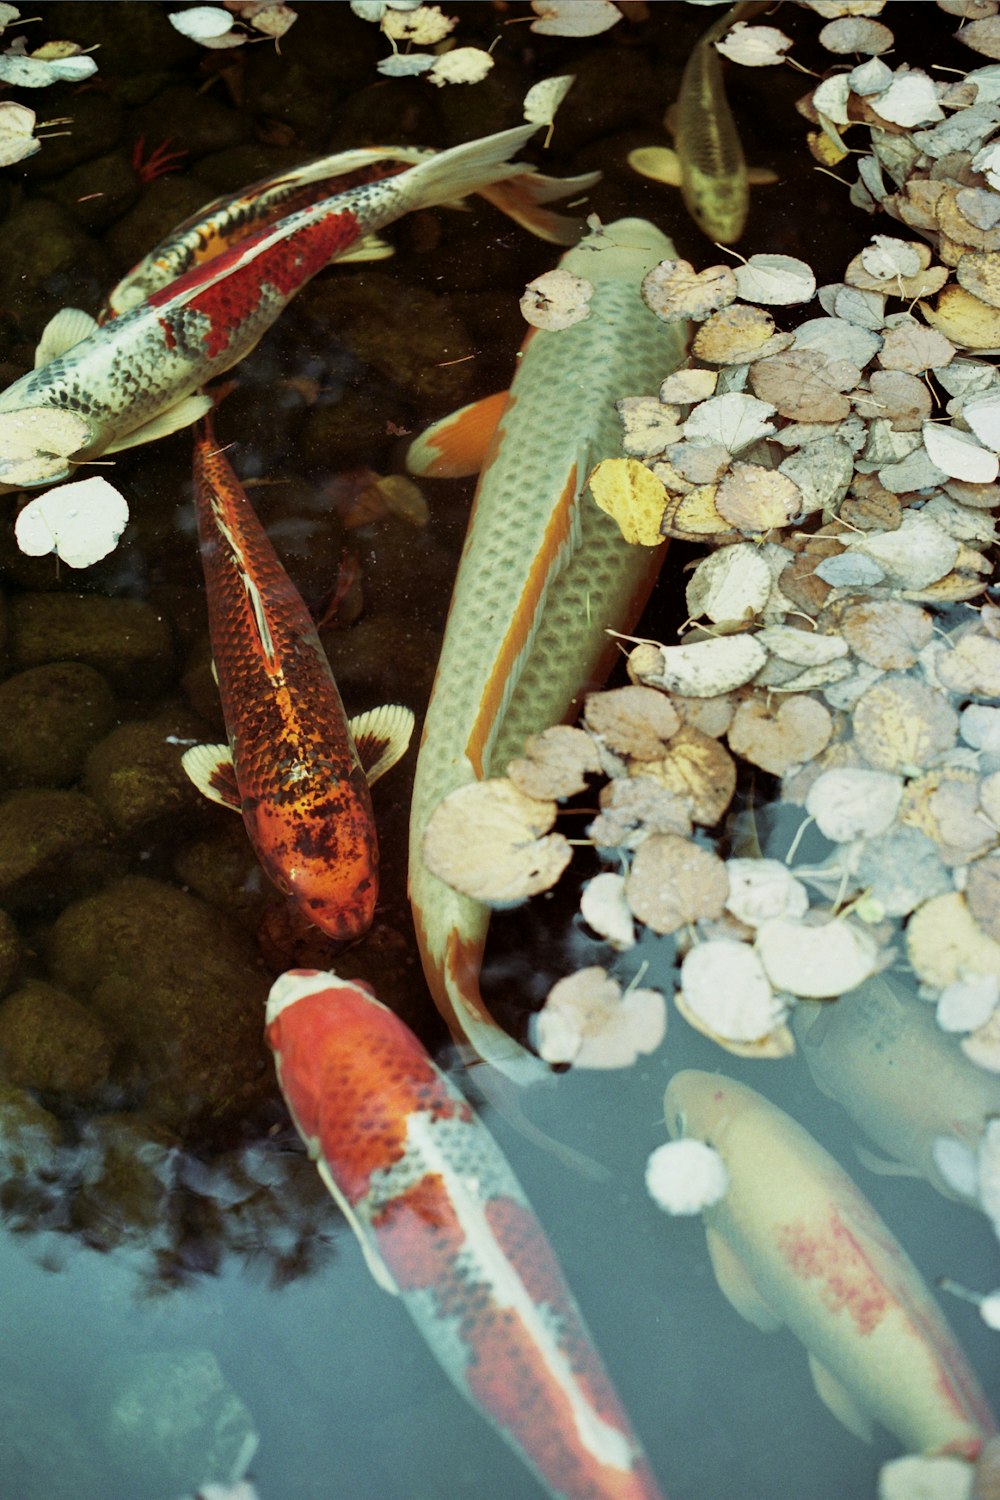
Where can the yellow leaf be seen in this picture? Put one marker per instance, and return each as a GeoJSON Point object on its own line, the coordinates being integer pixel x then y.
{"type": "Point", "coordinates": [632, 496]}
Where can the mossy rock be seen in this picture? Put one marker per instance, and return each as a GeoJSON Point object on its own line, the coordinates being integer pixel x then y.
{"type": "Point", "coordinates": [133, 39]}
{"type": "Point", "coordinates": [97, 126]}
{"type": "Point", "coordinates": [125, 639]}
{"type": "Point", "coordinates": [194, 122]}
{"type": "Point", "coordinates": [10, 950]}
{"type": "Point", "coordinates": [45, 255]}
{"type": "Point", "coordinates": [387, 649]}
{"type": "Point", "coordinates": [52, 1043]}
{"type": "Point", "coordinates": [222, 868]}
{"type": "Point", "coordinates": [165, 204]}
{"type": "Point", "coordinates": [135, 775]}
{"type": "Point", "coordinates": [127, 1181]}
{"type": "Point", "coordinates": [30, 1137]}
{"type": "Point", "coordinates": [98, 192]}
{"type": "Point", "coordinates": [50, 717]}
{"type": "Point", "coordinates": [54, 845]}
{"type": "Point", "coordinates": [182, 987]}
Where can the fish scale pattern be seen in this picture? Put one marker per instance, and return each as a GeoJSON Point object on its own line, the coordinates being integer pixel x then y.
{"type": "Point", "coordinates": [543, 574]}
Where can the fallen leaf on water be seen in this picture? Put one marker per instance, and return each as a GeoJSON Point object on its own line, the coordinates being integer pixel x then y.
{"type": "Point", "coordinates": [461, 65]}
{"type": "Point", "coordinates": [754, 46]}
{"type": "Point", "coordinates": [755, 499]}
{"type": "Point", "coordinates": [17, 122]}
{"type": "Point", "coordinates": [633, 807]}
{"type": "Point", "coordinates": [982, 892]}
{"type": "Point", "coordinates": [544, 98]}
{"type": "Point", "coordinates": [849, 803]}
{"type": "Point", "coordinates": [36, 442]}
{"type": "Point", "coordinates": [724, 987]}
{"type": "Point", "coordinates": [888, 633]}
{"type": "Point", "coordinates": [491, 842]}
{"type": "Point", "coordinates": [684, 1177]}
{"type": "Point", "coordinates": [805, 385]}
{"type": "Point", "coordinates": [734, 335]}
{"type": "Point", "coordinates": [673, 881]}
{"type": "Point", "coordinates": [762, 889]}
{"type": "Point", "coordinates": [967, 1004]}
{"type": "Point", "coordinates": [902, 725]}
{"type": "Point", "coordinates": [910, 99]}
{"type": "Point", "coordinates": [201, 23]}
{"type": "Point", "coordinates": [574, 17]}
{"type": "Point", "coordinates": [650, 426]}
{"type": "Point", "coordinates": [587, 1021]}
{"type": "Point", "coordinates": [686, 386]}
{"type": "Point", "coordinates": [982, 1047]}
{"type": "Point", "coordinates": [817, 961]}
{"type": "Point", "coordinates": [603, 906]}
{"type": "Point", "coordinates": [635, 721]}
{"type": "Point", "coordinates": [634, 498]}
{"type": "Point", "coordinates": [555, 764]}
{"type": "Point", "coordinates": [982, 36]}
{"type": "Point", "coordinates": [556, 299]}
{"type": "Point", "coordinates": [972, 667]}
{"type": "Point", "coordinates": [777, 280]}
{"type": "Point", "coordinates": [944, 943]}
{"type": "Point", "coordinates": [777, 739]}
{"type": "Point", "coordinates": [959, 454]}
{"type": "Point", "coordinates": [675, 291]}
{"type": "Point", "coordinates": [79, 522]}
{"type": "Point", "coordinates": [960, 318]}
{"type": "Point", "coordinates": [421, 27]}
{"type": "Point", "coordinates": [856, 34]}
{"type": "Point", "coordinates": [731, 584]}
{"type": "Point", "coordinates": [734, 420]}
{"type": "Point", "coordinates": [702, 670]}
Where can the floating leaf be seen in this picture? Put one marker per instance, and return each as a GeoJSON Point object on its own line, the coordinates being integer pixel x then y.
{"type": "Point", "coordinates": [755, 499]}
{"type": "Point", "coordinates": [544, 98]}
{"type": "Point", "coordinates": [815, 962]}
{"type": "Point", "coordinates": [574, 17]}
{"type": "Point", "coordinates": [777, 739]}
{"type": "Point", "coordinates": [201, 23]}
{"type": "Point", "coordinates": [17, 123]}
{"type": "Point", "coordinates": [421, 27]}
{"type": "Point", "coordinates": [967, 1004]}
{"type": "Point", "coordinates": [673, 882]}
{"type": "Point", "coordinates": [460, 65]}
{"type": "Point", "coordinates": [701, 670]}
{"type": "Point", "coordinates": [917, 554]}
{"type": "Point", "coordinates": [960, 318]}
{"type": "Point", "coordinates": [635, 721]}
{"type": "Point", "coordinates": [634, 807]}
{"type": "Point", "coordinates": [903, 725]}
{"type": "Point", "coordinates": [848, 802]}
{"type": "Point", "coordinates": [37, 73]}
{"type": "Point", "coordinates": [734, 335]}
{"type": "Point", "coordinates": [79, 522]}
{"type": "Point", "coordinates": [684, 1177]}
{"type": "Point", "coordinates": [632, 496]}
{"type": "Point", "coordinates": [650, 427]}
{"type": "Point", "coordinates": [491, 842]}
{"type": "Point", "coordinates": [856, 34]}
{"type": "Point", "coordinates": [943, 942]}
{"type": "Point", "coordinates": [555, 764]}
{"type": "Point", "coordinates": [556, 299]}
{"type": "Point", "coordinates": [972, 666]}
{"type": "Point", "coordinates": [686, 386]}
{"type": "Point", "coordinates": [732, 584]}
{"type": "Point", "coordinates": [734, 420]}
{"type": "Point", "coordinates": [959, 454]}
{"type": "Point", "coordinates": [754, 46]}
{"type": "Point", "coordinates": [723, 985]}
{"type": "Point", "coordinates": [603, 906]}
{"type": "Point", "coordinates": [777, 280]}
{"type": "Point", "coordinates": [888, 633]}
{"type": "Point", "coordinates": [763, 889]}
{"type": "Point", "coordinates": [911, 99]}
{"type": "Point", "coordinates": [587, 1021]}
{"type": "Point", "coordinates": [805, 385]}
{"type": "Point", "coordinates": [675, 291]}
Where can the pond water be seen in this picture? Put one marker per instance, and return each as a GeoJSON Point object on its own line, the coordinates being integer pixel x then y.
{"type": "Point", "coordinates": [183, 1302]}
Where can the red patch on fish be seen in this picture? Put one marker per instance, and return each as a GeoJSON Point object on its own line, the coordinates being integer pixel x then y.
{"type": "Point", "coordinates": [419, 1235]}
{"type": "Point", "coordinates": [833, 1255]}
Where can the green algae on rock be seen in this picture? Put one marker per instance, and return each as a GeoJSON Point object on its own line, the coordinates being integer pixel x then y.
{"type": "Point", "coordinates": [54, 845]}
{"type": "Point", "coordinates": [135, 775]}
{"type": "Point", "coordinates": [50, 717]}
{"type": "Point", "coordinates": [125, 639]}
{"type": "Point", "coordinates": [223, 870]}
{"type": "Point", "coordinates": [52, 1043]}
{"type": "Point", "coordinates": [10, 951]}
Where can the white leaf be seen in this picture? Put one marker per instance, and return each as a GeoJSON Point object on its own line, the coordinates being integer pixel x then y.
{"type": "Point", "coordinates": [815, 962]}
{"type": "Point", "coordinates": [17, 122]}
{"type": "Point", "coordinates": [803, 648]}
{"type": "Point", "coordinates": [918, 1476]}
{"type": "Point", "coordinates": [911, 99]}
{"type": "Point", "coordinates": [707, 668]}
{"type": "Point", "coordinates": [544, 98]}
{"type": "Point", "coordinates": [849, 570]}
{"type": "Point", "coordinates": [850, 802]}
{"type": "Point", "coordinates": [778, 280]}
{"type": "Point", "coordinates": [730, 584]}
{"type": "Point", "coordinates": [201, 21]}
{"type": "Point", "coordinates": [754, 46]}
{"type": "Point", "coordinates": [406, 64]}
{"type": "Point", "coordinates": [966, 1004]}
{"type": "Point", "coordinates": [574, 17]}
{"type": "Point", "coordinates": [959, 454]}
{"type": "Point", "coordinates": [683, 1177]}
{"type": "Point", "coordinates": [461, 65]}
{"type": "Point", "coordinates": [604, 908]}
{"type": "Point", "coordinates": [556, 299]}
{"type": "Point", "coordinates": [733, 420]}
{"type": "Point", "coordinates": [724, 985]}
{"type": "Point", "coordinates": [80, 522]}
{"type": "Point", "coordinates": [38, 73]}
{"type": "Point", "coordinates": [916, 554]}
{"type": "Point", "coordinates": [983, 415]}
{"type": "Point", "coordinates": [762, 889]}
{"type": "Point", "coordinates": [888, 257]}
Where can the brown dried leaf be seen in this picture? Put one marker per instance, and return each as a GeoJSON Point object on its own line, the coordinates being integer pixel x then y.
{"type": "Point", "coordinates": [755, 499]}
{"type": "Point", "coordinates": [944, 805]}
{"type": "Point", "coordinates": [944, 943]}
{"type": "Point", "coordinates": [902, 399]}
{"type": "Point", "coordinates": [712, 716]}
{"type": "Point", "coordinates": [673, 881]}
{"type": "Point", "coordinates": [902, 725]}
{"type": "Point", "coordinates": [694, 516]}
{"type": "Point", "coordinates": [982, 892]}
{"type": "Point", "coordinates": [887, 633]}
{"type": "Point", "coordinates": [556, 763]}
{"type": "Point", "coordinates": [635, 721]}
{"type": "Point", "coordinates": [698, 770]}
{"type": "Point", "coordinates": [777, 740]}
{"type": "Point", "coordinates": [979, 273]}
{"type": "Point", "coordinates": [674, 291]}
{"type": "Point", "coordinates": [805, 385]}
{"type": "Point", "coordinates": [913, 347]}
{"type": "Point", "coordinates": [632, 807]}
{"type": "Point", "coordinates": [491, 842]}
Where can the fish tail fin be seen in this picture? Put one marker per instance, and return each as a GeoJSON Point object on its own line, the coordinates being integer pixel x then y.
{"type": "Point", "coordinates": [521, 199]}
{"type": "Point", "coordinates": [464, 169]}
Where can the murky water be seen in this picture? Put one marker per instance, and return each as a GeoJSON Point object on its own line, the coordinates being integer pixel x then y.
{"type": "Point", "coordinates": [178, 1284]}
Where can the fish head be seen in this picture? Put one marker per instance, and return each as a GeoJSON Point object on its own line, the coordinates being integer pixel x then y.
{"type": "Point", "coordinates": [700, 1104]}
{"type": "Point", "coordinates": [310, 984]}
{"type": "Point", "coordinates": [326, 861]}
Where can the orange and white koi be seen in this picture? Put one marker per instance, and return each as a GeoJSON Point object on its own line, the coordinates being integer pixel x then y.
{"type": "Point", "coordinates": [794, 1241]}
{"type": "Point", "coordinates": [228, 220]}
{"type": "Point", "coordinates": [293, 766]}
{"type": "Point", "coordinates": [444, 1223]}
{"type": "Point", "coordinates": [133, 379]}
{"type": "Point", "coordinates": [544, 574]}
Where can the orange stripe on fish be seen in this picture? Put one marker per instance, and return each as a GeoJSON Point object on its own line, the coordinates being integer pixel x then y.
{"type": "Point", "coordinates": [292, 767]}
{"type": "Point", "coordinates": [443, 1222]}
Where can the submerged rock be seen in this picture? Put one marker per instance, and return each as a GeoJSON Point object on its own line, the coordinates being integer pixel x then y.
{"type": "Point", "coordinates": [166, 203]}
{"type": "Point", "coordinates": [135, 775]}
{"type": "Point", "coordinates": [50, 717]}
{"type": "Point", "coordinates": [39, 242]}
{"type": "Point", "coordinates": [172, 1423]}
{"type": "Point", "coordinates": [98, 192]}
{"type": "Point", "coordinates": [222, 868]}
{"type": "Point", "coordinates": [50, 1042]}
{"type": "Point", "coordinates": [10, 950]}
{"type": "Point", "coordinates": [29, 1136]}
{"type": "Point", "coordinates": [126, 1178]}
{"type": "Point", "coordinates": [174, 979]}
{"type": "Point", "coordinates": [123, 638]}
{"type": "Point", "coordinates": [53, 846]}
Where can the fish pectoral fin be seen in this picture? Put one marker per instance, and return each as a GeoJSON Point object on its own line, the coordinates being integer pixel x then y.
{"type": "Point", "coordinates": [210, 767]}
{"type": "Point", "coordinates": [172, 420]}
{"type": "Point", "coordinates": [661, 163]}
{"type": "Point", "coordinates": [69, 327]}
{"type": "Point", "coordinates": [762, 176]}
{"type": "Point", "coordinates": [373, 1260]}
{"type": "Point", "coordinates": [883, 1166]}
{"type": "Point", "coordinates": [839, 1401]}
{"type": "Point", "coordinates": [369, 248]}
{"type": "Point", "coordinates": [736, 1284]}
{"type": "Point", "coordinates": [381, 737]}
{"type": "Point", "coordinates": [456, 445]}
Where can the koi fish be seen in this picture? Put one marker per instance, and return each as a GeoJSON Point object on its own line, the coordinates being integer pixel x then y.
{"type": "Point", "coordinates": [228, 220]}
{"type": "Point", "coordinates": [134, 378]}
{"type": "Point", "coordinates": [708, 165]}
{"type": "Point", "coordinates": [294, 766]}
{"type": "Point", "coordinates": [443, 1223]}
{"type": "Point", "coordinates": [543, 575]}
{"type": "Point", "coordinates": [794, 1241]}
{"type": "Point", "coordinates": [881, 1054]}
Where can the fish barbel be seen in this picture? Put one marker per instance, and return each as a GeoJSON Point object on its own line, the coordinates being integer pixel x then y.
{"type": "Point", "coordinates": [444, 1224]}
{"type": "Point", "coordinates": [293, 766]}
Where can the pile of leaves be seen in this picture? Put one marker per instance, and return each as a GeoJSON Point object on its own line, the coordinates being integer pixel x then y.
{"type": "Point", "coordinates": [843, 475]}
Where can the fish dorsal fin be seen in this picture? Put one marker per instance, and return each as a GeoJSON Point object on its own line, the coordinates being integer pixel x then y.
{"type": "Point", "coordinates": [183, 414]}
{"type": "Point", "coordinates": [736, 1284]}
{"type": "Point", "coordinates": [369, 248]}
{"type": "Point", "coordinates": [457, 444]}
{"type": "Point", "coordinates": [373, 1260]}
{"type": "Point", "coordinates": [381, 737]}
{"type": "Point", "coordinates": [68, 328]}
{"type": "Point", "coordinates": [210, 767]}
{"type": "Point", "coordinates": [839, 1401]}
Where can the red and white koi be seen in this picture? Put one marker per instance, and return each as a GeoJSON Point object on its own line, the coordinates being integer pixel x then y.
{"type": "Point", "coordinates": [293, 766]}
{"type": "Point", "coordinates": [444, 1223]}
{"type": "Point", "coordinates": [794, 1241]}
{"type": "Point", "coordinates": [543, 575]}
{"type": "Point", "coordinates": [228, 220]}
{"type": "Point", "coordinates": [134, 378]}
